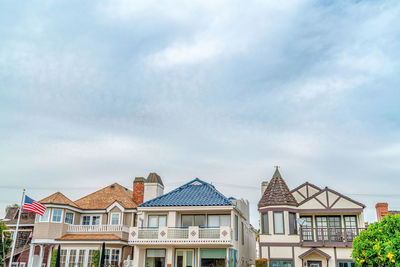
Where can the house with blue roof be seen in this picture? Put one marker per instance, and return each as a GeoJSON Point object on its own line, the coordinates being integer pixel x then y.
{"type": "Point", "coordinates": [194, 225]}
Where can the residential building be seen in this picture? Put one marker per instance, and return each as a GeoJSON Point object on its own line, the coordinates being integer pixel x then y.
{"type": "Point", "coordinates": [27, 220]}
{"type": "Point", "coordinates": [307, 226]}
{"type": "Point", "coordinates": [81, 226]}
{"type": "Point", "coordinates": [192, 226]}
{"type": "Point", "coordinates": [382, 209]}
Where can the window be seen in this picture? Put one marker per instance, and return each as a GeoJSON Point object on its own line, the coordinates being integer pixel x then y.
{"type": "Point", "coordinates": [278, 223]}
{"type": "Point", "coordinates": [264, 223]}
{"type": "Point", "coordinates": [292, 224]}
{"type": "Point", "coordinates": [306, 229]}
{"type": "Point", "coordinates": [112, 256]}
{"type": "Point", "coordinates": [63, 257]}
{"type": "Point", "coordinates": [22, 264]}
{"type": "Point", "coordinates": [236, 227]}
{"type": "Point", "coordinates": [69, 217]}
{"type": "Point", "coordinates": [90, 257]}
{"type": "Point", "coordinates": [281, 263]}
{"type": "Point", "coordinates": [157, 221]}
{"type": "Point", "coordinates": [193, 220]}
{"type": "Point", "coordinates": [155, 257]}
{"type": "Point", "coordinates": [14, 264]}
{"type": "Point", "coordinates": [219, 220]}
{"type": "Point", "coordinates": [329, 228]}
{"type": "Point", "coordinates": [115, 218]}
{"type": "Point", "coordinates": [72, 258]}
{"type": "Point", "coordinates": [346, 264]}
{"type": "Point", "coordinates": [242, 232]}
{"type": "Point", "coordinates": [57, 215]}
{"type": "Point", "coordinates": [91, 220]}
{"type": "Point", "coordinates": [350, 223]}
{"type": "Point", "coordinates": [45, 217]}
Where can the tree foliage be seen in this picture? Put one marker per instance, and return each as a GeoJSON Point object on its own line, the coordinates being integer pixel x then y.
{"type": "Point", "coordinates": [379, 245]}
{"type": "Point", "coordinates": [7, 241]}
{"type": "Point", "coordinates": [11, 206]}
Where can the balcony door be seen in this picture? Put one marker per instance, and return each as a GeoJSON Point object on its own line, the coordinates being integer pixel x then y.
{"type": "Point", "coordinates": [184, 258]}
{"type": "Point", "coordinates": [328, 228]}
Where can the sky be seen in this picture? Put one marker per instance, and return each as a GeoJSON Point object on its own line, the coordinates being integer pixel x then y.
{"type": "Point", "coordinates": [97, 92]}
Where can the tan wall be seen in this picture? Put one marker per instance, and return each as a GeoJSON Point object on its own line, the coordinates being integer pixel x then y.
{"type": "Point", "coordinates": [46, 230]}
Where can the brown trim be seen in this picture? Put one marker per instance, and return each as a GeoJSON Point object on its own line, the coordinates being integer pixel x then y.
{"type": "Point", "coordinates": [277, 209]}
{"type": "Point", "coordinates": [320, 202]}
{"type": "Point", "coordinates": [269, 254]}
{"type": "Point", "coordinates": [345, 197]}
{"type": "Point", "coordinates": [335, 254]}
{"type": "Point", "coordinates": [298, 192]}
{"type": "Point", "coordinates": [327, 199]}
{"type": "Point", "coordinates": [310, 251]}
{"type": "Point", "coordinates": [334, 202]}
{"type": "Point", "coordinates": [305, 184]}
{"type": "Point", "coordinates": [327, 244]}
{"type": "Point", "coordinates": [294, 262]}
{"type": "Point", "coordinates": [328, 210]}
{"type": "Point", "coordinates": [308, 193]}
{"type": "Point", "coordinates": [282, 244]}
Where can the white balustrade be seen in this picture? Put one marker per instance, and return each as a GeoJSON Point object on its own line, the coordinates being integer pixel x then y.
{"type": "Point", "coordinates": [97, 228]}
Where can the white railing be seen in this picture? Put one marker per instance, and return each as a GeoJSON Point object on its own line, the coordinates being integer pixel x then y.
{"type": "Point", "coordinates": [97, 228]}
{"type": "Point", "coordinates": [193, 234]}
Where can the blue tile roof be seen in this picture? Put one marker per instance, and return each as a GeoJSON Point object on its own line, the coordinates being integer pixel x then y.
{"type": "Point", "coordinates": [194, 193]}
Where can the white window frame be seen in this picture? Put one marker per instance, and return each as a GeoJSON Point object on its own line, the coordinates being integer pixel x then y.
{"type": "Point", "coordinates": [48, 217]}
{"type": "Point", "coordinates": [91, 218]}
{"type": "Point", "coordinates": [52, 215]}
{"type": "Point", "coordinates": [158, 219]}
{"type": "Point", "coordinates": [111, 218]}
{"type": "Point", "coordinates": [73, 216]}
{"type": "Point", "coordinates": [110, 253]}
{"type": "Point", "coordinates": [22, 264]}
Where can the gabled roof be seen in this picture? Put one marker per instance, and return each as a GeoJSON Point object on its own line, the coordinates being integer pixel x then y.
{"type": "Point", "coordinates": [105, 197]}
{"type": "Point", "coordinates": [277, 193]}
{"type": "Point", "coordinates": [315, 250]}
{"type": "Point", "coordinates": [194, 193]}
{"type": "Point", "coordinates": [26, 217]}
{"type": "Point", "coordinates": [58, 198]}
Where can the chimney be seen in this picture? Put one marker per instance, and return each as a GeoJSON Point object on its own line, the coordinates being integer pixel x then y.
{"type": "Point", "coordinates": [264, 186]}
{"type": "Point", "coordinates": [153, 187]}
{"type": "Point", "coordinates": [382, 209]}
{"type": "Point", "coordinates": [138, 190]}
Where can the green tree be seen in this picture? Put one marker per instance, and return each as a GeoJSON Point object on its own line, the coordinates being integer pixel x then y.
{"type": "Point", "coordinates": [11, 206]}
{"type": "Point", "coordinates": [7, 241]}
{"type": "Point", "coordinates": [379, 245]}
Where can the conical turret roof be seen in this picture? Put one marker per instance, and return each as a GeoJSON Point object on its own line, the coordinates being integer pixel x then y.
{"type": "Point", "coordinates": [277, 193]}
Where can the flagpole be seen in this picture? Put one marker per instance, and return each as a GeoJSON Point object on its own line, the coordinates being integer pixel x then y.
{"type": "Point", "coordinates": [16, 229]}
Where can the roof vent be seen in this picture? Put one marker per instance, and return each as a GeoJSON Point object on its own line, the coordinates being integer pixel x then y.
{"type": "Point", "coordinates": [112, 186]}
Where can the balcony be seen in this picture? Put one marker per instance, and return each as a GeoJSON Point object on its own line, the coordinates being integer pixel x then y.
{"type": "Point", "coordinates": [328, 237]}
{"type": "Point", "coordinates": [181, 235]}
{"type": "Point", "coordinates": [96, 228]}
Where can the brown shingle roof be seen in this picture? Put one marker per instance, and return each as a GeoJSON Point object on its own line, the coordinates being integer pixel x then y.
{"type": "Point", "coordinates": [89, 237]}
{"type": "Point", "coordinates": [103, 198]}
{"type": "Point", "coordinates": [26, 217]}
{"type": "Point", "coordinates": [277, 193]}
{"type": "Point", "coordinates": [58, 198]}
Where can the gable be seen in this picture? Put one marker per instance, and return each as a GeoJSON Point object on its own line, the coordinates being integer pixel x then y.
{"type": "Point", "coordinates": [330, 199]}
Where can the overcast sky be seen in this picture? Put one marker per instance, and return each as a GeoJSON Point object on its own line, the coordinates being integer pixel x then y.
{"type": "Point", "coordinates": [96, 92]}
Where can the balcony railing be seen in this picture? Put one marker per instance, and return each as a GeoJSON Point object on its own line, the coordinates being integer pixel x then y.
{"type": "Point", "coordinates": [192, 234]}
{"type": "Point", "coordinates": [328, 234]}
{"type": "Point", "coordinates": [97, 228]}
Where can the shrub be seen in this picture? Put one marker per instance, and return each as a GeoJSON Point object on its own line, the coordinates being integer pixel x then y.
{"type": "Point", "coordinates": [262, 262]}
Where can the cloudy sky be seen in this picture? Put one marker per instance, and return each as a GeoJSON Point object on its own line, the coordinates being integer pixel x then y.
{"type": "Point", "coordinates": [93, 92]}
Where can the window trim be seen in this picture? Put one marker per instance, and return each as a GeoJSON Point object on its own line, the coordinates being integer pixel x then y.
{"type": "Point", "coordinates": [345, 261]}
{"type": "Point", "coordinates": [61, 217]}
{"type": "Point", "coordinates": [73, 217]}
{"type": "Point", "coordinates": [236, 227]}
{"type": "Point", "coordinates": [111, 218]}
{"type": "Point", "coordinates": [296, 230]}
{"type": "Point", "coordinates": [91, 218]}
{"type": "Point", "coordinates": [158, 220]}
{"type": "Point", "coordinates": [165, 257]}
{"type": "Point", "coordinates": [283, 222]}
{"type": "Point", "coordinates": [48, 217]}
{"type": "Point", "coordinates": [242, 229]}
{"type": "Point", "coordinates": [262, 223]}
{"type": "Point", "coordinates": [279, 261]}
{"type": "Point", "coordinates": [110, 253]}
{"type": "Point", "coordinates": [193, 219]}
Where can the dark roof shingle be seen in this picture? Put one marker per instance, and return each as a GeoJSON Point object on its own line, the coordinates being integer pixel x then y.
{"type": "Point", "coordinates": [277, 193]}
{"type": "Point", "coordinates": [194, 193]}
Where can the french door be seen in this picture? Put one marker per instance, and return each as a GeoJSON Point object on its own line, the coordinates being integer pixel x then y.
{"type": "Point", "coordinates": [184, 258]}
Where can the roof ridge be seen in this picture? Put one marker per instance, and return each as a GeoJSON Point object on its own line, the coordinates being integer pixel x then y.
{"type": "Point", "coordinates": [98, 190]}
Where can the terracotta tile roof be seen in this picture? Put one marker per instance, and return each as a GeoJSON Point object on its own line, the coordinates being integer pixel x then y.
{"type": "Point", "coordinates": [89, 237]}
{"type": "Point", "coordinates": [103, 198]}
{"type": "Point", "coordinates": [26, 217]}
{"type": "Point", "coordinates": [277, 193]}
{"type": "Point", "coordinates": [58, 198]}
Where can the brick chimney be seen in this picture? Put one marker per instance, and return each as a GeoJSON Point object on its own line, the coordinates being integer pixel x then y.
{"type": "Point", "coordinates": [138, 190]}
{"type": "Point", "coordinates": [382, 209]}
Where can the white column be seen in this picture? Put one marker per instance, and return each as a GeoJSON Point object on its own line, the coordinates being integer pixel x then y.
{"type": "Point", "coordinates": [31, 253]}
{"type": "Point", "coordinates": [50, 253]}
{"type": "Point", "coordinates": [41, 255]}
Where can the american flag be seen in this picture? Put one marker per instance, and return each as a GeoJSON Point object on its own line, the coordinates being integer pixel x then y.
{"type": "Point", "coordinates": [34, 206]}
